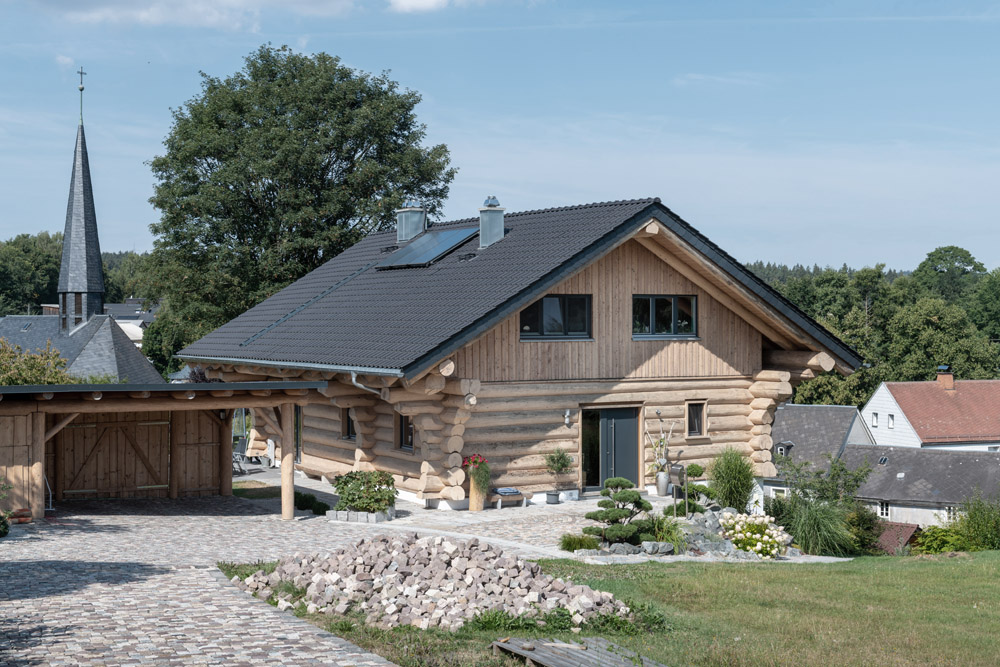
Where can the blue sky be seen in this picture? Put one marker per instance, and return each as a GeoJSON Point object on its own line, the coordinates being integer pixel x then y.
{"type": "Point", "coordinates": [856, 132]}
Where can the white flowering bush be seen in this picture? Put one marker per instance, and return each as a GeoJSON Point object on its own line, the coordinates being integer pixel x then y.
{"type": "Point", "coordinates": [755, 534]}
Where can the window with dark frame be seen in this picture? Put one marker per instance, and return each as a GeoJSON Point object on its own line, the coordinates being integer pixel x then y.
{"type": "Point", "coordinates": [564, 316]}
{"type": "Point", "coordinates": [404, 433]}
{"type": "Point", "coordinates": [298, 433]}
{"type": "Point", "coordinates": [347, 431]}
{"type": "Point", "coordinates": [664, 315]}
{"type": "Point", "coordinates": [696, 419]}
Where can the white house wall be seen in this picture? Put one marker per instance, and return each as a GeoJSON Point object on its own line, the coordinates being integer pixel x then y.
{"type": "Point", "coordinates": [901, 434]}
{"type": "Point", "coordinates": [977, 447]}
{"type": "Point", "coordinates": [922, 516]}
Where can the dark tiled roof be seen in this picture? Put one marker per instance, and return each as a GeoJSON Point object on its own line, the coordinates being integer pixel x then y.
{"type": "Point", "coordinates": [130, 311]}
{"type": "Point", "coordinates": [930, 476]}
{"type": "Point", "coordinates": [81, 269]}
{"type": "Point", "coordinates": [968, 413]}
{"type": "Point", "coordinates": [349, 315]}
{"type": "Point", "coordinates": [97, 347]}
{"type": "Point", "coordinates": [815, 431]}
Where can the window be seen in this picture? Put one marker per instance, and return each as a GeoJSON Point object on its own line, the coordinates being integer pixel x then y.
{"type": "Point", "coordinates": [779, 493]}
{"type": "Point", "coordinates": [656, 316]}
{"type": "Point", "coordinates": [890, 421]}
{"type": "Point", "coordinates": [883, 460]}
{"type": "Point", "coordinates": [298, 433]}
{"type": "Point", "coordinates": [883, 509]}
{"type": "Point", "coordinates": [874, 420]}
{"type": "Point", "coordinates": [347, 425]}
{"type": "Point", "coordinates": [993, 449]}
{"type": "Point", "coordinates": [695, 419]}
{"type": "Point", "coordinates": [951, 512]}
{"type": "Point", "coordinates": [557, 316]}
{"type": "Point", "coordinates": [404, 433]}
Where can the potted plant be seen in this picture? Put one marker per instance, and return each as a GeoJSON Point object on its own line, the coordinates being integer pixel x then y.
{"type": "Point", "coordinates": [659, 466]}
{"type": "Point", "coordinates": [478, 470]}
{"type": "Point", "coordinates": [558, 462]}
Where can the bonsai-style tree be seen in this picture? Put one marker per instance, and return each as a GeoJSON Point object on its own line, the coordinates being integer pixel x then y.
{"type": "Point", "coordinates": [621, 504]}
{"type": "Point", "coordinates": [558, 462]}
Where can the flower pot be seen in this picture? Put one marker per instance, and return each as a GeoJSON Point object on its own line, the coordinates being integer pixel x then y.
{"type": "Point", "coordinates": [662, 483]}
{"type": "Point", "coordinates": [551, 497]}
{"type": "Point", "coordinates": [476, 498]}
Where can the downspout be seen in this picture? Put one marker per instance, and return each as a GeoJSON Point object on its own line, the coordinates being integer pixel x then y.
{"type": "Point", "coordinates": [354, 381]}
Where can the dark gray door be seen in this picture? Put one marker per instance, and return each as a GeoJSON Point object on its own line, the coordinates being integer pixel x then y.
{"type": "Point", "coordinates": [615, 432]}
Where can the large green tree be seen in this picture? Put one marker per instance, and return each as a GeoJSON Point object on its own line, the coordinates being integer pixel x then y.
{"type": "Point", "coordinates": [272, 171]}
{"type": "Point", "coordinates": [949, 272]}
{"type": "Point", "coordinates": [29, 272]}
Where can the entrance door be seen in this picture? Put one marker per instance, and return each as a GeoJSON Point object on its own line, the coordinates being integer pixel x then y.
{"type": "Point", "coordinates": [610, 445]}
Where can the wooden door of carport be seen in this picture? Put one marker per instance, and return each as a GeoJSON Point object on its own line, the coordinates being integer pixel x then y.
{"type": "Point", "coordinates": [127, 455]}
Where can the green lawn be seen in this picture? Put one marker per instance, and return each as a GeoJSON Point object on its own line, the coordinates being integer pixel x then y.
{"type": "Point", "coordinates": [871, 611]}
{"type": "Point", "coordinates": [255, 489]}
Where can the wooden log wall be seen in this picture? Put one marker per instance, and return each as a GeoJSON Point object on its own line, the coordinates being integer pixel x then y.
{"type": "Point", "coordinates": [728, 346]}
{"type": "Point", "coordinates": [16, 460]}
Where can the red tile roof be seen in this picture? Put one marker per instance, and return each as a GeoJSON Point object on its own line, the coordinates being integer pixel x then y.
{"type": "Point", "coordinates": [895, 535]}
{"type": "Point", "coordinates": [968, 413]}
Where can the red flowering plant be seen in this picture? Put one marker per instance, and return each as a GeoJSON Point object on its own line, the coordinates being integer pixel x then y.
{"type": "Point", "coordinates": [479, 471]}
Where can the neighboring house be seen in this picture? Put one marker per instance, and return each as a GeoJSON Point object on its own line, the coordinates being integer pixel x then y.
{"type": "Point", "coordinates": [944, 413]}
{"type": "Point", "coordinates": [813, 434]}
{"type": "Point", "coordinates": [584, 328]}
{"type": "Point", "coordinates": [91, 342]}
{"type": "Point", "coordinates": [922, 486]}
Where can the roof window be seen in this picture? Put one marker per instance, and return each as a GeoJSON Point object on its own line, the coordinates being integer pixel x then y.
{"type": "Point", "coordinates": [882, 461]}
{"type": "Point", "coordinates": [26, 326]}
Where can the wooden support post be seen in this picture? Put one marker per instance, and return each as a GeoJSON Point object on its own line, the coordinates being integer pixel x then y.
{"type": "Point", "coordinates": [59, 483]}
{"type": "Point", "coordinates": [38, 465]}
{"type": "Point", "coordinates": [287, 462]}
{"type": "Point", "coordinates": [175, 455]}
{"type": "Point", "coordinates": [226, 454]}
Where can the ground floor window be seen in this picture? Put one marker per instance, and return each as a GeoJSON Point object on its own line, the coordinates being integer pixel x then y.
{"type": "Point", "coordinates": [696, 427]}
{"type": "Point", "coordinates": [883, 509]}
{"type": "Point", "coordinates": [404, 433]}
{"type": "Point", "coordinates": [779, 493]}
{"type": "Point", "coordinates": [951, 512]}
{"type": "Point", "coordinates": [347, 431]}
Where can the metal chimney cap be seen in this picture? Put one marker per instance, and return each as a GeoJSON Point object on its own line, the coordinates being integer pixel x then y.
{"type": "Point", "coordinates": [944, 368]}
{"type": "Point", "coordinates": [491, 202]}
{"type": "Point", "coordinates": [412, 203]}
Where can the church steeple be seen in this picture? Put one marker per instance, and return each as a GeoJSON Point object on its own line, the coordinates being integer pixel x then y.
{"type": "Point", "coordinates": [81, 276]}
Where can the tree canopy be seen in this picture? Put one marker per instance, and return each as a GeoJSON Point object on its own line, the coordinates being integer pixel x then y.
{"type": "Point", "coordinates": [272, 171]}
{"type": "Point", "coordinates": [29, 272]}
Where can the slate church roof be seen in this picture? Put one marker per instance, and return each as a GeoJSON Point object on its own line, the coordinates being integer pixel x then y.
{"type": "Point", "coordinates": [350, 315]}
{"type": "Point", "coordinates": [81, 269]}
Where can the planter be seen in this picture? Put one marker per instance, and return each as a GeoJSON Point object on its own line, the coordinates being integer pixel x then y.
{"type": "Point", "coordinates": [662, 484]}
{"type": "Point", "coordinates": [476, 498]}
{"type": "Point", "coordinates": [551, 497]}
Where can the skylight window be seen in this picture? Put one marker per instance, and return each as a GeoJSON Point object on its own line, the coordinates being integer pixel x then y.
{"type": "Point", "coordinates": [26, 326]}
{"type": "Point", "coordinates": [882, 461]}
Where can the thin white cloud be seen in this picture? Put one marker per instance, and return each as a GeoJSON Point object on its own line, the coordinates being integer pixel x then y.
{"type": "Point", "coordinates": [224, 14]}
{"type": "Point", "coordinates": [731, 79]}
{"type": "Point", "coordinates": [410, 6]}
{"type": "Point", "coordinates": [64, 61]}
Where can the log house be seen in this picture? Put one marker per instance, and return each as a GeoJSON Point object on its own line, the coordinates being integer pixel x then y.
{"type": "Point", "coordinates": [592, 329]}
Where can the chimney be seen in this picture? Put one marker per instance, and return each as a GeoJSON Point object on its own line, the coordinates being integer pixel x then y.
{"type": "Point", "coordinates": [490, 222]}
{"type": "Point", "coordinates": [945, 378]}
{"type": "Point", "coordinates": [410, 221]}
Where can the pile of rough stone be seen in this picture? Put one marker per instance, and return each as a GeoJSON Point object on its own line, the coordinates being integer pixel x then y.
{"type": "Point", "coordinates": [426, 582]}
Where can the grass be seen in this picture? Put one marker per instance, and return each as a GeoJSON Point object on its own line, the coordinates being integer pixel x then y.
{"type": "Point", "coordinates": [254, 489]}
{"type": "Point", "coordinates": [875, 610]}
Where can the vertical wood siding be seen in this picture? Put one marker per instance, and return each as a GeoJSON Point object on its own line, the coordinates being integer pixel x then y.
{"type": "Point", "coordinates": [728, 345]}
{"type": "Point", "coordinates": [15, 460]}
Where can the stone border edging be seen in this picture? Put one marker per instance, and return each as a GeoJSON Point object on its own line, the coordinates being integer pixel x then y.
{"type": "Point", "coordinates": [362, 517]}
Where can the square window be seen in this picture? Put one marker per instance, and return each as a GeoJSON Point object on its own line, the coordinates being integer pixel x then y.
{"type": "Point", "coordinates": [696, 419]}
{"type": "Point", "coordinates": [404, 433]}
{"type": "Point", "coordinates": [347, 431]}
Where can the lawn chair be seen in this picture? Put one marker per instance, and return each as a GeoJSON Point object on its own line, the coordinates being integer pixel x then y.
{"type": "Point", "coordinates": [239, 456]}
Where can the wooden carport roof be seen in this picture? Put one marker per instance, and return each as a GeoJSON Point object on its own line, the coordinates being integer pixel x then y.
{"type": "Point", "coordinates": [73, 400]}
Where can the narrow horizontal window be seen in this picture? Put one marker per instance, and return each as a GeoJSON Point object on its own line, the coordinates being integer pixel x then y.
{"type": "Point", "coordinates": [660, 315]}
{"type": "Point", "coordinates": [557, 316]}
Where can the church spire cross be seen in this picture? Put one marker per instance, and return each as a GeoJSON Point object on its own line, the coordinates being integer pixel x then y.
{"type": "Point", "coordinates": [81, 73]}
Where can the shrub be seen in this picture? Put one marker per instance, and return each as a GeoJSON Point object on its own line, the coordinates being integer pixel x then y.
{"type": "Point", "coordinates": [701, 489]}
{"type": "Point", "coordinates": [571, 542]}
{"type": "Point", "coordinates": [666, 529]}
{"type": "Point", "coordinates": [754, 534]}
{"type": "Point", "coordinates": [695, 470]}
{"type": "Point", "coordinates": [684, 507]}
{"type": "Point", "coordinates": [4, 515]}
{"type": "Point", "coordinates": [780, 508]}
{"type": "Point", "coordinates": [620, 505]}
{"type": "Point", "coordinates": [865, 528]}
{"type": "Point", "coordinates": [304, 501]}
{"type": "Point", "coordinates": [4, 526]}
{"type": "Point", "coordinates": [558, 462]}
{"type": "Point", "coordinates": [732, 478]}
{"type": "Point", "coordinates": [365, 491]}
{"type": "Point", "coordinates": [820, 528]}
{"type": "Point", "coordinates": [940, 539]}
{"type": "Point", "coordinates": [320, 508]}
{"type": "Point", "coordinates": [979, 523]}
{"type": "Point", "coordinates": [478, 471]}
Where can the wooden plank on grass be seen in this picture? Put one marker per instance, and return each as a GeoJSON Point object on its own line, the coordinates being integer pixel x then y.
{"type": "Point", "coordinates": [589, 652]}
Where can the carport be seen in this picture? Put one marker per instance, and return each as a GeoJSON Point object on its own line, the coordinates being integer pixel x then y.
{"type": "Point", "coordinates": [136, 441]}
